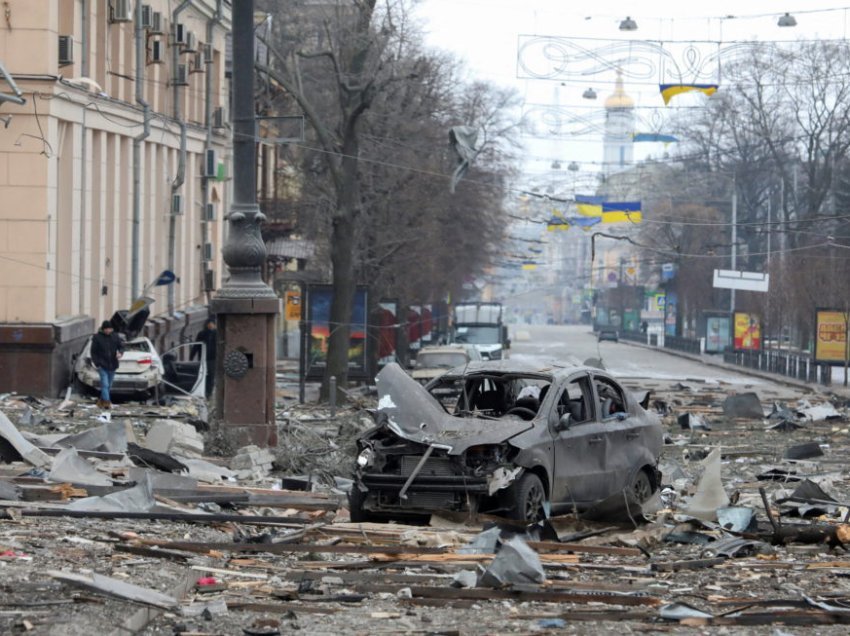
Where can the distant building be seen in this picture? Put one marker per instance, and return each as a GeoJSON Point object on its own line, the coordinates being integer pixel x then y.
{"type": "Point", "coordinates": [619, 130]}
{"type": "Point", "coordinates": [84, 225]}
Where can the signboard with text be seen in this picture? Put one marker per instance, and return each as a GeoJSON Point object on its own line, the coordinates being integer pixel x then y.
{"type": "Point", "coordinates": [830, 336]}
{"type": "Point", "coordinates": [747, 331]}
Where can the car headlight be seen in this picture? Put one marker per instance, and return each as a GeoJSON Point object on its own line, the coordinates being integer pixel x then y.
{"type": "Point", "coordinates": [365, 458]}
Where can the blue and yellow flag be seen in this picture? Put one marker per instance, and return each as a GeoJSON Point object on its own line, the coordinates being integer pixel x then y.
{"type": "Point", "coordinates": [589, 205]}
{"type": "Point", "coordinates": [666, 139]}
{"type": "Point", "coordinates": [556, 222]}
{"type": "Point", "coordinates": [668, 91]}
{"type": "Point", "coordinates": [622, 212]}
{"type": "Point", "coordinates": [529, 265]}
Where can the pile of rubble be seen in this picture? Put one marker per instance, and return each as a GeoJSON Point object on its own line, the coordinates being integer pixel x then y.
{"type": "Point", "coordinates": [127, 523]}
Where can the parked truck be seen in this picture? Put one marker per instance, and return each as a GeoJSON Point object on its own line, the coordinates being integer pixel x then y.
{"type": "Point", "coordinates": [480, 325]}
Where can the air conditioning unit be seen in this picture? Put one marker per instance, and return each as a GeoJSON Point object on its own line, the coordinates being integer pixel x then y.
{"type": "Point", "coordinates": [66, 50]}
{"type": "Point", "coordinates": [207, 254]}
{"type": "Point", "coordinates": [181, 78]}
{"type": "Point", "coordinates": [156, 23]}
{"type": "Point", "coordinates": [209, 212]}
{"type": "Point", "coordinates": [176, 203]}
{"type": "Point", "coordinates": [121, 11]}
{"type": "Point", "coordinates": [210, 163]}
{"type": "Point", "coordinates": [179, 33]}
{"type": "Point", "coordinates": [208, 53]}
{"type": "Point", "coordinates": [209, 280]}
{"type": "Point", "coordinates": [147, 16]}
{"type": "Point", "coordinates": [157, 51]}
{"type": "Point", "coordinates": [197, 65]}
{"type": "Point", "coordinates": [219, 118]}
{"type": "Point", "coordinates": [190, 44]}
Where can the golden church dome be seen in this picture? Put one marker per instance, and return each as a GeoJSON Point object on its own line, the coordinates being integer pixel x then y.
{"type": "Point", "coordinates": [619, 98]}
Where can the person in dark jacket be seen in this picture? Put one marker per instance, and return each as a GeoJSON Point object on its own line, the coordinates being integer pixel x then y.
{"type": "Point", "coordinates": [106, 350]}
{"type": "Point", "coordinates": [208, 336]}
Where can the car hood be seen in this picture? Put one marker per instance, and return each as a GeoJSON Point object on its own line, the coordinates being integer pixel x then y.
{"type": "Point", "coordinates": [414, 414]}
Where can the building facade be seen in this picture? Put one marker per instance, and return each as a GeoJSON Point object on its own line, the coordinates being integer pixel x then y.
{"type": "Point", "coordinates": [113, 163]}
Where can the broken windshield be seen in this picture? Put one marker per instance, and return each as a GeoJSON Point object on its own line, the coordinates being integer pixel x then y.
{"type": "Point", "coordinates": [478, 335]}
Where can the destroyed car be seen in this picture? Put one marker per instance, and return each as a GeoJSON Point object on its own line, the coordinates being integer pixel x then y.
{"type": "Point", "coordinates": [141, 370]}
{"type": "Point", "coordinates": [504, 438]}
{"type": "Point", "coordinates": [433, 362]}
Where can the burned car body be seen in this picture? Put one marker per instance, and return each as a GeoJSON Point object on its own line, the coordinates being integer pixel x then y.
{"type": "Point", "coordinates": [509, 439]}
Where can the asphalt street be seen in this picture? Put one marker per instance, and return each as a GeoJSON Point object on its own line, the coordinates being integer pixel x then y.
{"type": "Point", "coordinates": [574, 344]}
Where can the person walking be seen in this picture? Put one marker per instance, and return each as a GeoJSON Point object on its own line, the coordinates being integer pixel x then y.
{"type": "Point", "coordinates": [106, 351]}
{"type": "Point", "coordinates": [208, 336]}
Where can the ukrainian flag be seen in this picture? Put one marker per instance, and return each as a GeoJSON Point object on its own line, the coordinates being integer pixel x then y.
{"type": "Point", "coordinates": [621, 212]}
{"type": "Point", "coordinates": [589, 205]}
{"type": "Point", "coordinates": [557, 222]}
{"type": "Point", "coordinates": [669, 91]}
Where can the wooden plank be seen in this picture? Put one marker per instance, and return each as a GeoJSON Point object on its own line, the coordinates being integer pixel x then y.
{"type": "Point", "coordinates": [543, 596]}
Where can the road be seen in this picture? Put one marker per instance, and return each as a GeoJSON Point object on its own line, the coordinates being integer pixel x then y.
{"type": "Point", "coordinates": [541, 344]}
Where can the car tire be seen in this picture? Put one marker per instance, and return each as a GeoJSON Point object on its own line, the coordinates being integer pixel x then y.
{"type": "Point", "coordinates": [642, 487]}
{"type": "Point", "coordinates": [526, 499]}
{"type": "Point", "coordinates": [355, 507]}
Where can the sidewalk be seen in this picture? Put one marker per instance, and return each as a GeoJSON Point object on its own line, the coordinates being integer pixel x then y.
{"type": "Point", "coordinates": [838, 390]}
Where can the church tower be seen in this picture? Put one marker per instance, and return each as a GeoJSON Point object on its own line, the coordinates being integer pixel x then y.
{"type": "Point", "coordinates": [619, 130]}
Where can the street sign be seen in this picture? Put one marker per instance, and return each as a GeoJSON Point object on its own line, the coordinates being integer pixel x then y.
{"type": "Point", "coordinates": [746, 281]}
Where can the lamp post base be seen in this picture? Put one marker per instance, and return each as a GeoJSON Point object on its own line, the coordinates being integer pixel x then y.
{"type": "Point", "coordinates": [245, 370]}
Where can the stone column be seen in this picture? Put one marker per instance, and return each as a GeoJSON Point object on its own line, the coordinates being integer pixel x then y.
{"type": "Point", "coordinates": [245, 306]}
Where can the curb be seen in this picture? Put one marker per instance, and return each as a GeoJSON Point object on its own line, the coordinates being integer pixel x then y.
{"type": "Point", "coordinates": [762, 375]}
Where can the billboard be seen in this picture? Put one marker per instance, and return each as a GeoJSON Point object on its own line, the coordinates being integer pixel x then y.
{"type": "Point", "coordinates": [319, 299]}
{"type": "Point", "coordinates": [747, 331]}
{"type": "Point", "coordinates": [717, 333]}
{"type": "Point", "coordinates": [830, 336]}
{"type": "Point", "coordinates": [387, 321]}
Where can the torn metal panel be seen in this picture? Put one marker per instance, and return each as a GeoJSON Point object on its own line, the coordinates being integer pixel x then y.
{"type": "Point", "coordinates": [108, 438]}
{"type": "Point", "coordinates": [414, 414]}
{"type": "Point", "coordinates": [70, 467]}
{"type": "Point", "coordinates": [27, 451]}
{"type": "Point", "coordinates": [710, 494]}
{"type": "Point", "coordinates": [137, 499]}
{"type": "Point", "coordinates": [116, 588]}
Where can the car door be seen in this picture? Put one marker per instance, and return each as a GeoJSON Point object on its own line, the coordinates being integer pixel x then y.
{"type": "Point", "coordinates": [185, 369]}
{"type": "Point", "coordinates": [620, 433]}
{"type": "Point", "coordinates": [580, 449]}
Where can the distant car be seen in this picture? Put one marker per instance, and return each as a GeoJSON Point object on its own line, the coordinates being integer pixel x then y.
{"type": "Point", "coordinates": [607, 333]}
{"type": "Point", "coordinates": [434, 361]}
{"type": "Point", "coordinates": [503, 438]}
{"type": "Point", "coordinates": [141, 370]}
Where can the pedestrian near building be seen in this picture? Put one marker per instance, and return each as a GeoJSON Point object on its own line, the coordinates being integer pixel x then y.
{"type": "Point", "coordinates": [106, 351]}
{"type": "Point", "coordinates": [208, 336]}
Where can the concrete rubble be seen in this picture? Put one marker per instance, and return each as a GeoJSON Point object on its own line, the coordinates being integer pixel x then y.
{"type": "Point", "coordinates": [750, 531]}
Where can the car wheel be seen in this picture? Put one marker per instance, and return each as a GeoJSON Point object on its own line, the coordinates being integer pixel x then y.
{"type": "Point", "coordinates": [355, 507]}
{"type": "Point", "coordinates": [527, 497]}
{"type": "Point", "coordinates": [642, 486]}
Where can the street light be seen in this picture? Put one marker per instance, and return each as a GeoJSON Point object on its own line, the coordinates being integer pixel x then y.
{"type": "Point", "coordinates": [589, 94]}
{"type": "Point", "coordinates": [786, 20]}
{"type": "Point", "coordinates": [630, 25]}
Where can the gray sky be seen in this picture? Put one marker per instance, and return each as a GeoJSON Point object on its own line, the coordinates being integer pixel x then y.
{"type": "Point", "coordinates": [489, 49]}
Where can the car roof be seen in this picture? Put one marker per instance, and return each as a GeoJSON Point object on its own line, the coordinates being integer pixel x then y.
{"type": "Point", "coordinates": [443, 349]}
{"type": "Point", "coordinates": [511, 367]}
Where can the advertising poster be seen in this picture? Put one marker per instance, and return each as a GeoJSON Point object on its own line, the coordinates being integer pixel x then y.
{"type": "Point", "coordinates": [318, 316]}
{"type": "Point", "coordinates": [427, 324]}
{"type": "Point", "coordinates": [387, 321]}
{"type": "Point", "coordinates": [717, 334]}
{"type": "Point", "coordinates": [414, 327]}
{"type": "Point", "coordinates": [670, 305]}
{"type": "Point", "coordinates": [747, 331]}
{"type": "Point", "coordinates": [293, 305]}
{"type": "Point", "coordinates": [830, 336]}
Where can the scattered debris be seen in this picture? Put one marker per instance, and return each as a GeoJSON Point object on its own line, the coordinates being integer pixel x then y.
{"type": "Point", "coordinates": [743, 405]}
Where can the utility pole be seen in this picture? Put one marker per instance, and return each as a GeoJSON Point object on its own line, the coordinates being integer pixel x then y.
{"type": "Point", "coordinates": [245, 306]}
{"type": "Point", "coordinates": [734, 242]}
